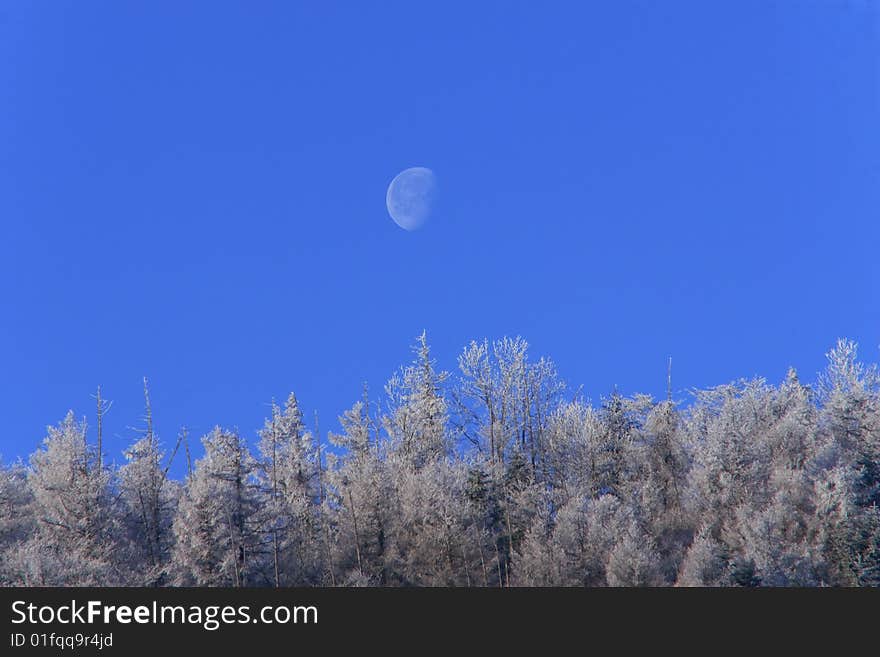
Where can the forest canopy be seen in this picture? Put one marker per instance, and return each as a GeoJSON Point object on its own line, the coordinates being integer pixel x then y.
{"type": "Point", "coordinates": [495, 475]}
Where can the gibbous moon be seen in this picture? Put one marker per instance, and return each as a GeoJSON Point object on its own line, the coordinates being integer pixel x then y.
{"type": "Point", "coordinates": [411, 196]}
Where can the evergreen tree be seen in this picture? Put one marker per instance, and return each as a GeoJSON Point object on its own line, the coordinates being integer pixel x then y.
{"type": "Point", "coordinates": [218, 542]}
{"type": "Point", "coordinates": [77, 520]}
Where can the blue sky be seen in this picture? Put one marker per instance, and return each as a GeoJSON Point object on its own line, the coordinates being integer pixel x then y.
{"type": "Point", "coordinates": [195, 192]}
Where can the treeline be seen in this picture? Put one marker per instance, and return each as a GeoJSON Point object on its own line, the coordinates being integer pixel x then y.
{"type": "Point", "coordinates": [494, 477]}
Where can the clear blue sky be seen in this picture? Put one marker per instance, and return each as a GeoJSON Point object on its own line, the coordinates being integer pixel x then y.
{"type": "Point", "coordinates": [194, 191]}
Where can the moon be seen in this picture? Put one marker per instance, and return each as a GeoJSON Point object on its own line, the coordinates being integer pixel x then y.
{"type": "Point", "coordinates": [411, 196]}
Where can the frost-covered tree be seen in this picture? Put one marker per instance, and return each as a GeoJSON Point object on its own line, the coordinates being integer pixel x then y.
{"type": "Point", "coordinates": [150, 501]}
{"type": "Point", "coordinates": [849, 423]}
{"type": "Point", "coordinates": [17, 522]}
{"type": "Point", "coordinates": [633, 560]}
{"type": "Point", "coordinates": [417, 419]}
{"type": "Point", "coordinates": [363, 503]}
{"type": "Point", "coordinates": [705, 562]}
{"type": "Point", "coordinates": [77, 528]}
{"type": "Point", "coordinates": [661, 465]}
{"type": "Point", "coordinates": [218, 542]}
{"type": "Point", "coordinates": [504, 400]}
{"type": "Point", "coordinates": [504, 406]}
{"type": "Point", "coordinates": [731, 458]}
{"type": "Point", "coordinates": [575, 435]}
{"type": "Point", "coordinates": [578, 548]}
{"type": "Point", "coordinates": [432, 537]}
{"type": "Point", "coordinates": [289, 476]}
